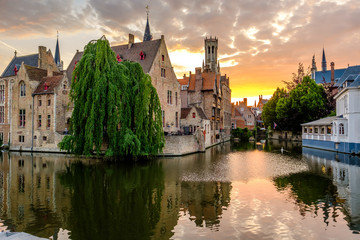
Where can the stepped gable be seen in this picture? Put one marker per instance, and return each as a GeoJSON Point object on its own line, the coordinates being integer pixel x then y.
{"type": "Point", "coordinates": [149, 48]}
{"type": "Point", "coordinates": [51, 83]}
{"type": "Point", "coordinates": [30, 60]}
{"type": "Point", "coordinates": [349, 71]}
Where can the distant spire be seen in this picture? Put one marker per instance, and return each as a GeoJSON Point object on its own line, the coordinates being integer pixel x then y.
{"type": "Point", "coordinates": [313, 67]}
{"type": "Point", "coordinates": [147, 34]}
{"type": "Point", "coordinates": [57, 51]}
{"type": "Point", "coordinates": [323, 63]}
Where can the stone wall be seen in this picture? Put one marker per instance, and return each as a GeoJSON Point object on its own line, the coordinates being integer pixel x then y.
{"type": "Point", "coordinates": [184, 144]}
{"type": "Point", "coordinates": [284, 135]}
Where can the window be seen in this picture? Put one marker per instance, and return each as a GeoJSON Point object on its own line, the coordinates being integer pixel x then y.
{"type": "Point", "coordinates": [2, 93]}
{"type": "Point", "coordinates": [209, 50]}
{"type": "Point", "coordinates": [39, 121]}
{"type": "Point", "coordinates": [184, 87]}
{"type": "Point", "coordinates": [212, 49]}
{"type": "Point", "coordinates": [40, 102]}
{"type": "Point", "coordinates": [49, 102]}
{"type": "Point", "coordinates": [21, 138]}
{"type": "Point", "coordinates": [22, 89]}
{"type": "Point", "coordinates": [2, 136]}
{"type": "Point", "coordinates": [341, 128]}
{"type": "Point", "coordinates": [322, 130]}
{"type": "Point", "coordinates": [48, 121]}
{"type": "Point", "coordinates": [169, 97]}
{"type": "Point", "coordinates": [64, 86]}
{"type": "Point", "coordinates": [2, 114]}
{"type": "Point", "coordinates": [22, 118]}
{"type": "Point", "coordinates": [176, 99]}
{"type": "Point", "coordinates": [163, 72]}
{"type": "Point", "coordinates": [194, 115]}
{"type": "Point", "coordinates": [310, 129]}
{"type": "Point", "coordinates": [328, 130]}
{"type": "Point", "coordinates": [44, 138]}
{"type": "Point", "coordinates": [162, 58]}
{"type": "Point", "coordinates": [177, 119]}
{"type": "Point", "coordinates": [163, 118]}
{"type": "Point", "coordinates": [305, 129]}
{"type": "Point", "coordinates": [316, 130]}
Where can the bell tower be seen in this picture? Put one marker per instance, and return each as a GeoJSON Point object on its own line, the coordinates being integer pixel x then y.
{"type": "Point", "coordinates": [211, 49]}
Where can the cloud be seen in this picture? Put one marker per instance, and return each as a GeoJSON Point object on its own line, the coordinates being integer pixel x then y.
{"type": "Point", "coordinates": [258, 40]}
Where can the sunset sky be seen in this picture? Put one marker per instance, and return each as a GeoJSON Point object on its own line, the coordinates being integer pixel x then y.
{"type": "Point", "coordinates": [260, 42]}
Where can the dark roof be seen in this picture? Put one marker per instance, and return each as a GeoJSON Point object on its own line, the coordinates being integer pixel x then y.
{"type": "Point", "coordinates": [321, 75]}
{"type": "Point", "coordinates": [348, 71]}
{"type": "Point", "coordinates": [322, 121]}
{"type": "Point", "coordinates": [150, 48]}
{"type": "Point", "coordinates": [51, 83]}
{"type": "Point", "coordinates": [201, 113]}
{"type": "Point", "coordinates": [356, 82]}
{"type": "Point", "coordinates": [35, 73]}
{"type": "Point", "coordinates": [185, 112]}
{"type": "Point", "coordinates": [30, 60]}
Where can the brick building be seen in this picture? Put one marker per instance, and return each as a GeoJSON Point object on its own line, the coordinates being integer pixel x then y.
{"type": "Point", "coordinates": [208, 90]}
{"type": "Point", "coordinates": [17, 83]}
{"type": "Point", "coordinates": [242, 115]}
{"type": "Point", "coordinates": [154, 58]}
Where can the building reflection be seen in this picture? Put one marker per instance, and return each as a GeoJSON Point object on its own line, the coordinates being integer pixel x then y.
{"type": "Point", "coordinates": [331, 185]}
{"type": "Point", "coordinates": [31, 198]}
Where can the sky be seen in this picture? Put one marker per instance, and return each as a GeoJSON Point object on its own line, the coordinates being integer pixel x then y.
{"type": "Point", "coordinates": [260, 42]}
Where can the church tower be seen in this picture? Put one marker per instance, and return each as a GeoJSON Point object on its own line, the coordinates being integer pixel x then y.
{"type": "Point", "coordinates": [57, 59]}
{"type": "Point", "coordinates": [147, 33]}
{"type": "Point", "coordinates": [323, 63]}
{"type": "Point", "coordinates": [211, 48]}
{"type": "Point", "coordinates": [313, 67]}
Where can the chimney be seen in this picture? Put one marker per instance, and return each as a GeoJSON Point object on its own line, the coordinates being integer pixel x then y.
{"type": "Point", "coordinates": [245, 101]}
{"type": "Point", "coordinates": [332, 64]}
{"type": "Point", "coordinates": [49, 72]}
{"type": "Point", "coordinates": [131, 40]}
{"type": "Point", "coordinates": [162, 37]}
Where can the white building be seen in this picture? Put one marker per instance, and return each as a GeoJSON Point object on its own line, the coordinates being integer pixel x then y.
{"type": "Point", "coordinates": [340, 133]}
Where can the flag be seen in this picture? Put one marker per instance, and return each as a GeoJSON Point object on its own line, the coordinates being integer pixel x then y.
{"type": "Point", "coordinates": [275, 125]}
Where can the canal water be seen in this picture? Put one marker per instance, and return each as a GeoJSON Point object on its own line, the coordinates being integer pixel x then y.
{"type": "Point", "coordinates": [242, 191]}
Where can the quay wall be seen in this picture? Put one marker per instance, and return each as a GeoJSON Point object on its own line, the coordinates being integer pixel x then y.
{"type": "Point", "coordinates": [284, 135]}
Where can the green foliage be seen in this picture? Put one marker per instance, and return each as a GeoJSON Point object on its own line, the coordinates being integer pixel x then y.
{"type": "Point", "coordinates": [305, 103]}
{"type": "Point", "coordinates": [243, 134]}
{"type": "Point", "coordinates": [269, 110]}
{"type": "Point", "coordinates": [115, 106]}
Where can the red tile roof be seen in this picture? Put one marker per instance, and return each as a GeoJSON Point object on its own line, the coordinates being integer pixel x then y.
{"type": "Point", "coordinates": [184, 81]}
{"type": "Point", "coordinates": [51, 83]}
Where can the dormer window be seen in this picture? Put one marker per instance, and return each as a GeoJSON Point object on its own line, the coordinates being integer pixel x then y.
{"type": "Point", "coordinates": [16, 70]}
{"type": "Point", "coordinates": [118, 57]}
{"type": "Point", "coordinates": [142, 55]}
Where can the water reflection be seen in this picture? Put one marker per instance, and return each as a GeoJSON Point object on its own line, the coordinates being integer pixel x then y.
{"type": "Point", "coordinates": [228, 192]}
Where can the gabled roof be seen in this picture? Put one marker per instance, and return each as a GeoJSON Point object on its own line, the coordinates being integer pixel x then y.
{"type": "Point", "coordinates": [184, 81]}
{"type": "Point", "coordinates": [34, 73]}
{"type": "Point", "coordinates": [349, 71]}
{"type": "Point", "coordinates": [322, 121]}
{"type": "Point", "coordinates": [150, 48]}
{"type": "Point", "coordinates": [185, 112]}
{"type": "Point", "coordinates": [320, 76]}
{"type": "Point", "coordinates": [30, 60]}
{"type": "Point", "coordinates": [51, 83]}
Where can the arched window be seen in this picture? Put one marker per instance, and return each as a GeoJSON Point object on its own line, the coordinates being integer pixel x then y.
{"type": "Point", "coordinates": [22, 89]}
{"type": "Point", "coordinates": [341, 129]}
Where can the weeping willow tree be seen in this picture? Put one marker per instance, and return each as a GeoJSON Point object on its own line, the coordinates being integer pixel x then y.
{"type": "Point", "coordinates": [116, 107]}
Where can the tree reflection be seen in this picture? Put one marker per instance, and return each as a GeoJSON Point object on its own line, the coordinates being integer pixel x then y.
{"type": "Point", "coordinates": [115, 201]}
{"type": "Point", "coordinates": [312, 193]}
{"type": "Point", "coordinates": [205, 201]}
